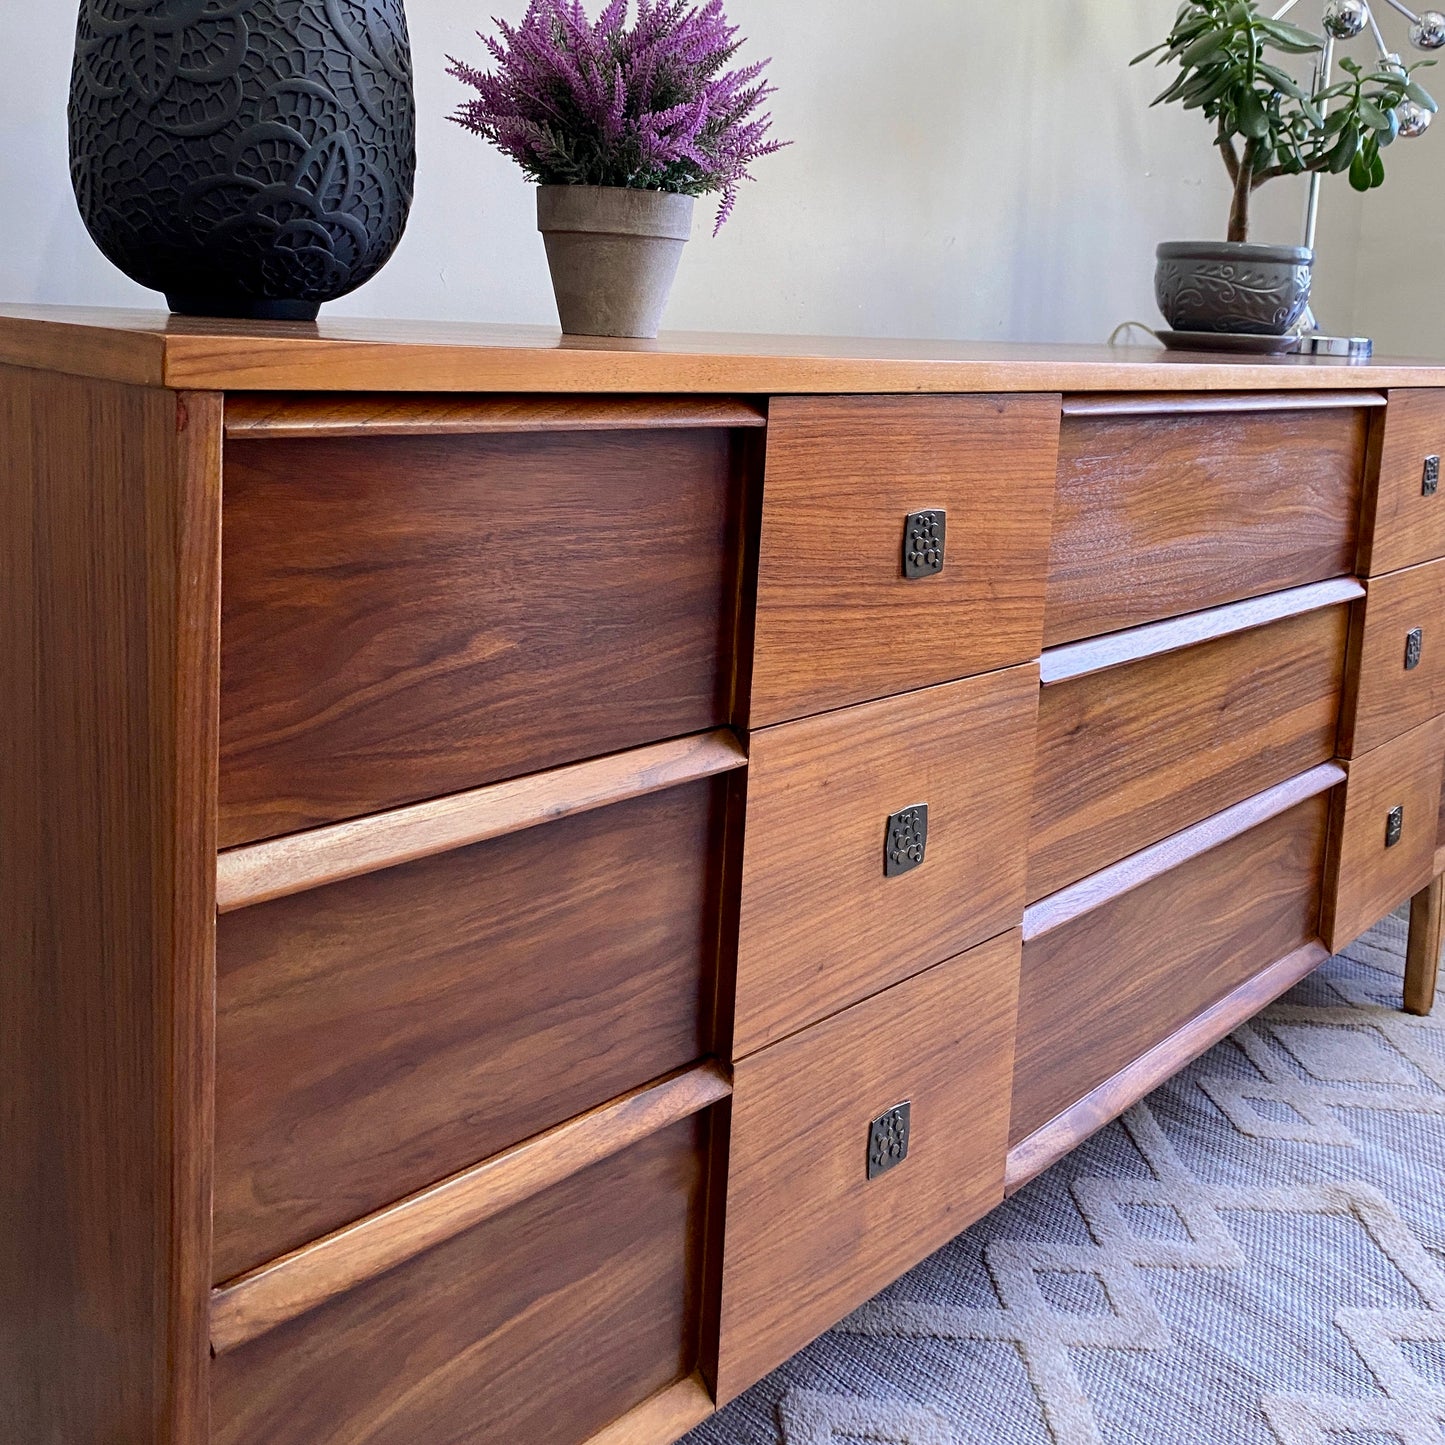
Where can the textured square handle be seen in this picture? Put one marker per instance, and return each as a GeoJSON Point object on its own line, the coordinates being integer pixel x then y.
{"type": "Point", "coordinates": [888, 1137]}
{"type": "Point", "coordinates": [924, 536]}
{"type": "Point", "coordinates": [906, 843]}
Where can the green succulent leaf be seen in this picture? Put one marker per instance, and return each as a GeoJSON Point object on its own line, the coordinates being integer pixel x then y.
{"type": "Point", "coordinates": [1420, 96]}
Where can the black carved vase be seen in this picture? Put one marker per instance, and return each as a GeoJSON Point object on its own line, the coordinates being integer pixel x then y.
{"type": "Point", "coordinates": [249, 158]}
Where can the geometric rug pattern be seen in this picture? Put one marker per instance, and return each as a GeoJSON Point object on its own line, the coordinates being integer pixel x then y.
{"type": "Point", "coordinates": [1255, 1254]}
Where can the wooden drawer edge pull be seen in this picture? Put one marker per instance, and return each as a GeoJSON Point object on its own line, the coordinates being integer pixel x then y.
{"type": "Point", "coordinates": [259, 872]}
{"type": "Point", "coordinates": [1115, 649]}
{"type": "Point", "coordinates": [1133, 872]}
{"type": "Point", "coordinates": [1030, 1157]}
{"type": "Point", "coordinates": [1175, 404]}
{"type": "Point", "coordinates": [255, 1303]}
{"type": "Point", "coordinates": [665, 1416]}
{"type": "Point", "coordinates": [300, 417]}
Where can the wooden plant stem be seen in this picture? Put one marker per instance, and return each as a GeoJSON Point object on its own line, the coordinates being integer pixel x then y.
{"type": "Point", "coordinates": [1243, 189]}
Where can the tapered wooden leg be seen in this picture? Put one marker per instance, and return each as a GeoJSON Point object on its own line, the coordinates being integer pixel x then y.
{"type": "Point", "coordinates": [1422, 958]}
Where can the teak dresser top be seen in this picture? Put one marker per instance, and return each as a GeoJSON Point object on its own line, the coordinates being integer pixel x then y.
{"type": "Point", "coordinates": [150, 348]}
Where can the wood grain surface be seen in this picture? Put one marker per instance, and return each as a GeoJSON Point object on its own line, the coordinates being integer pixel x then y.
{"type": "Point", "coordinates": [379, 1034]}
{"type": "Point", "coordinates": [1047, 1145]}
{"type": "Point", "coordinates": [1149, 864]}
{"type": "Point", "coordinates": [1103, 990]}
{"type": "Point", "coordinates": [280, 867]}
{"type": "Point", "coordinates": [1384, 698]}
{"type": "Point", "coordinates": [1161, 515]}
{"type": "Point", "coordinates": [405, 618]}
{"type": "Point", "coordinates": [837, 621]}
{"type": "Point", "coordinates": [109, 524]}
{"type": "Point", "coordinates": [1366, 878]}
{"type": "Point", "coordinates": [665, 1417]}
{"type": "Point", "coordinates": [303, 417]}
{"type": "Point", "coordinates": [287, 1288]}
{"type": "Point", "coordinates": [821, 926]}
{"type": "Point", "coordinates": [1129, 756]}
{"type": "Point", "coordinates": [809, 1235]}
{"type": "Point", "coordinates": [1427, 937]}
{"type": "Point", "coordinates": [1175, 634]}
{"type": "Point", "coordinates": [357, 354]}
{"type": "Point", "coordinates": [1402, 525]}
{"type": "Point", "coordinates": [1215, 403]}
{"type": "Point", "coordinates": [546, 1323]}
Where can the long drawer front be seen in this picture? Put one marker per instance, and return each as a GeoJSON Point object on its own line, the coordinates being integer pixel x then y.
{"type": "Point", "coordinates": [378, 1032]}
{"type": "Point", "coordinates": [406, 617]}
{"type": "Point", "coordinates": [1114, 966]}
{"type": "Point", "coordinates": [1170, 506]}
{"type": "Point", "coordinates": [546, 1322]}
{"type": "Point", "coordinates": [1147, 732]}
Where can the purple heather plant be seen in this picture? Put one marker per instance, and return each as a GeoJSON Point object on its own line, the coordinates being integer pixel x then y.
{"type": "Point", "coordinates": [652, 106]}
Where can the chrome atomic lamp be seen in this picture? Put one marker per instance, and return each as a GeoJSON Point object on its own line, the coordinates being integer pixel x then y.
{"type": "Point", "coordinates": [1344, 20]}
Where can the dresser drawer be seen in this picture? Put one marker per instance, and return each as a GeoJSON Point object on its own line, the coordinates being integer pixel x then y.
{"type": "Point", "coordinates": [1163, 512]}
{"type": "Point", "coordinates": [810, 1235]}
{"type": "Point", "coordinates": [380, 1033]}
{"type": "Point", "coordinates": [1405, 504]}
{"type": "Point", "coordinates": [1102, 988]}
{"type": "Point", "coordinates": [838, 621]}
{"type": "Point", "coordinates": [823, 923]}
{"type": "Point", "coordinates": [1136, 751]}
{"type": "Point", "coordinates": [404, 618]}
{"type": "Point", "coordinates": [1397, 655]}
{"type": "Point", "coordinates": [1382, 836]}
{"type": "Point", "coordinates": [547, 1322]}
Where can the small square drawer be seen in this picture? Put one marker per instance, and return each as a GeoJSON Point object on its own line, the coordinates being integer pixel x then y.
{"type": "Point", "coordinates": [550, 1321]}
{"type": "Point", "coordinates": [379, 1033]}
{"type": "Point", "coordinates": [1404, 519]}
{"type": "Point", "coordinates": [1167, 506]}
{"type": "Point", "coordinates": [1146, 745]}
{"type": "Point", "coordinates": [903, 544]}
{"type": "Point", "coordinates": [1383, 831]}
{"type": "Point", "coordinates": [859, 1147]}
{"type": "Point", "coordinates": [1397, 657]}
{"type": "Point", "coordinates": [407, 617]}
{"type": "Point", "coordinates": [881, 839]}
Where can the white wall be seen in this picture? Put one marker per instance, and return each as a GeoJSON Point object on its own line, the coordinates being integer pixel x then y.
{"type": "Point", "coordinates": [962, 168]}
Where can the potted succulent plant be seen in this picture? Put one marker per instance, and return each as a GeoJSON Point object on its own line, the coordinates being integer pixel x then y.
{"type": "Point", "coordinates": [622, 126]}
{"type": "Point", "coordinates": [1267, 124]}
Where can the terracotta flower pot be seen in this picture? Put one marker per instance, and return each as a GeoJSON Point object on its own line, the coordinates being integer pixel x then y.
{"type": "Point", "coordinates": [613, 253]}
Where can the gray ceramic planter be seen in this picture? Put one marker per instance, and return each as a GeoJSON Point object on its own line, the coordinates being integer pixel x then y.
{"type": "Point", "coordinates": [1232, 286]}
{"type": "Point", "coordinates": [613, 254]}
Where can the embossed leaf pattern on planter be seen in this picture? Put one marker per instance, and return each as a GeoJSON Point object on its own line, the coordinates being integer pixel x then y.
{"type": "Point", "coordinates": [1231, 296]}
{"type": "Point", "coordinates": [237, 152]}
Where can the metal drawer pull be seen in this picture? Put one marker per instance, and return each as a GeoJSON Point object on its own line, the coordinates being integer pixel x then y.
{"type": "Point", "coordinates": [1414, 643]}
{"type": "Point", "coordinates": [924, 534]}
{"type": "Point", "coordinates": [906, 841]}
{"type": "Point", "coordinates": [888, 1139]}
{"type": "Point", "coordinates": [1431, 484]}
{"type": "Point", "coordinates": [1394, 826]}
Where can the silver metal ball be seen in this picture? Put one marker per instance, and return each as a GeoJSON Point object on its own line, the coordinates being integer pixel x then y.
{"type": "Point", "coordinates": [1414, 119]}
{"type": "Point", "coordinates": [1428, 32]}
{"type": "Point", "coordinates": [1345, 19]}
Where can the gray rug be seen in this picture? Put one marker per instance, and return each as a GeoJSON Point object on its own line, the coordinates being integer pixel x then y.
{"type": "Point", "coordinates": [1254, 1255]}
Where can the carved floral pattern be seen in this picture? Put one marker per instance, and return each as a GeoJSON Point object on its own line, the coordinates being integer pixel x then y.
{"type": "Point", "coordinates": [1197, 295]}
{"type": "Point", "coordinates": [259, 149]}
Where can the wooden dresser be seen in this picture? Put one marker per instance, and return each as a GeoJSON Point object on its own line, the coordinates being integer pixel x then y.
{"type": "Point", "coordinates": [538, 876]}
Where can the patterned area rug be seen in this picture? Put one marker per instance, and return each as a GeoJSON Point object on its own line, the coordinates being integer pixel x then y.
{"type": "Point", "coordinates": [1254, 1255]}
